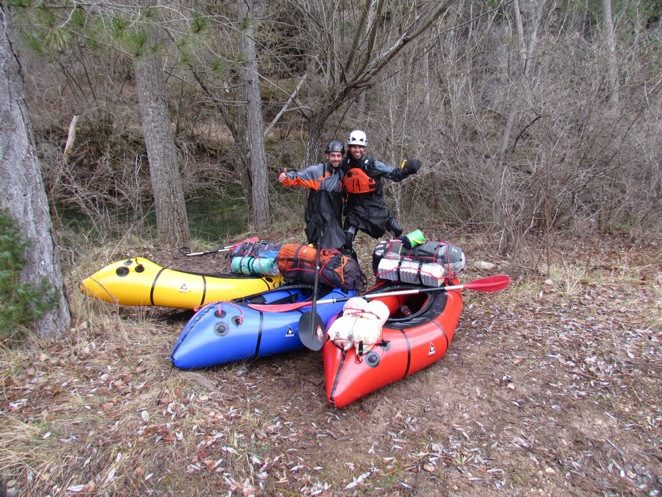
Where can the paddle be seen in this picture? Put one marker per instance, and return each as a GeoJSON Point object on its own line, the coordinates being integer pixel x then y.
{"type": "Point", "coordinates": [313, 338]}
{"type": "Point", "coordinates": [311, 327]}
{"type": "Point", "coordinates": [489, 284]}
{"type": "Point", "coordinates": [252, 239]}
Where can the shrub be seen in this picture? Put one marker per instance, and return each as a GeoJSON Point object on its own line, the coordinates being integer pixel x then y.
{"type": "Point", "coordinates": [20, 303]}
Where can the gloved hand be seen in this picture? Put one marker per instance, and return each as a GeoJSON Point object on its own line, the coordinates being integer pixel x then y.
{"type": "Point", "coordinates": [406, 243]}
{"type": "Point", "coordinates": [412, 166]}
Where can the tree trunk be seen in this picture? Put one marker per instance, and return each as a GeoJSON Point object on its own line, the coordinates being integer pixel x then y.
{"type": "Point", "coordinates": [171, 219]}
{"type": "Point", "coordinates": [427, 99]}
{"type": "Point", "coordinates": [23, 193]}
{"type": "Point", "coordinates": [260, 212]}
{"type": "Point", "coordinates": [612, 61]}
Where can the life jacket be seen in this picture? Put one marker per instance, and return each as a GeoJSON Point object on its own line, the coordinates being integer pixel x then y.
{"type": "Point", "coordinates": [357, 181]}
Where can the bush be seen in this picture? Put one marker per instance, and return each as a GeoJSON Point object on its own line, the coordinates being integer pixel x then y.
{"type": "Point", "coordinates": [20, 303]}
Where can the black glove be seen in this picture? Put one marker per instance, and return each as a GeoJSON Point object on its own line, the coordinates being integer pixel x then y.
{"type": "Point", "coordinates": [406, 243]}
{"type": "Point", "coordinates": [412, 166]}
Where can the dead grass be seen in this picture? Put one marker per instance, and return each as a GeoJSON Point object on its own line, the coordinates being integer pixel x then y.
{"type": "Point", "coordinates": [552, 393]}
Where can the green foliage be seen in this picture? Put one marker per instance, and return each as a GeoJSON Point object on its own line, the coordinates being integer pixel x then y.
{"type": "Point", "coordinates": [41, 28]}
{"type": "Point", "coordinates": [150, 14]}
{"type": "Point", "coordinates": [218, 66]}
{"type": "Point", "coordinates": [136, 42]}
{"type": "Point", "coordinates": [47, 28]}
{"type": "Point", "coordinates": [117, 26]}
{"type": "Point", "coordinates": [20, 303]}
{"type": "Point", "coordinates": [20, 4]}
{"type": "Point", "coordinates": [123, 34]}
{"type": "Point", "coordinates": [245, 23]}
{"type": "Point", "coordinates": [199, 23]}
{"type": "Point", "coordinates": [194, 41]}
{"type": "Point", "coordinates": [77, 18]}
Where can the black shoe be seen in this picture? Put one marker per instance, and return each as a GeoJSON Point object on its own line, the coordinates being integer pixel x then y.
{"type": "Point", "coordinates": [350, 252]}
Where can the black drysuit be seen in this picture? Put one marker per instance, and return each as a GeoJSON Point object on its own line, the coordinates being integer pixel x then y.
{"type": "Point", "coordinates": [367, 211]}
{"type": "Point", "coordinates": [324, 207]}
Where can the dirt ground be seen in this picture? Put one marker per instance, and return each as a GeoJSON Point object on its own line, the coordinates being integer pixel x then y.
{"type": "Point", "coordinates": [551, 387]}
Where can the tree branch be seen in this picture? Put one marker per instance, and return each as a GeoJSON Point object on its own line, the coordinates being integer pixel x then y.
{"type": "Point", "coordinates": [287, 104]}
{"type": "Point", "coordinates": [372, 36]}
{"type": "Point", "coordinates": [357, 38]}
{"type": "Point", "coordinates": [413, 31]}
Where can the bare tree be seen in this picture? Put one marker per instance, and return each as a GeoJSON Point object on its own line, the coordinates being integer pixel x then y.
{"type": "Point", "coordinates": [510, 113]}
{"type": "Point", "coordinates": [350, 47]}
{"type": "Point", "coordinates": [614, 96]}
{"type": "Point", "coordinates": [23, 193]}
{"type": "Point", "coordinates": [171, 219]}
{"type": "Point", "coordinates": [261, 215]}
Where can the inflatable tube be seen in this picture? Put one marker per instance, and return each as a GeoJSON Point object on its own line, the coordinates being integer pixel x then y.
{"type": "Point", "coordinates": [140, 282]}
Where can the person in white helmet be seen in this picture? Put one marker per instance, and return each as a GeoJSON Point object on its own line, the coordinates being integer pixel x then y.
{"type": "Point", "coordinates": [365, 208]}
{"type": "Point", "coordinates": [324, 208]}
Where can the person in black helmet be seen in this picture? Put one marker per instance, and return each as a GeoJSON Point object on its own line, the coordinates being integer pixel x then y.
{"type": "Point", "coordinates": [325, 201]}
{"type": "Point", "coordinates": [365, 207]}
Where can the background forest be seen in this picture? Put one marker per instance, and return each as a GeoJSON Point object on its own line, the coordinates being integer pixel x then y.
{"type": "Point", "coordinates": [529, 116]}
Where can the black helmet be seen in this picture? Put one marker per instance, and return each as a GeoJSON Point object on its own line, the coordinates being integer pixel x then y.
{"type": "Point", "coordinates": [335, 146]}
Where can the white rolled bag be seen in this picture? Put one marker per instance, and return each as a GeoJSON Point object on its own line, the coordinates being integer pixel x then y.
{"type": "Point", "coordinates": [360, 325]}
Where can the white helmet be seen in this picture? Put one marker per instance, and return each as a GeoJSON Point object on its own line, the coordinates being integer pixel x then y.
{"type": "Point", "coordinates": [357, 137]}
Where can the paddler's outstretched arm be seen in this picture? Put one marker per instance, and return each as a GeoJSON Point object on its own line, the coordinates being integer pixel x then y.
{"type": "Point", "coordinates": [310, 177]}
{"type": "Point", "coordinates": [397, 174]}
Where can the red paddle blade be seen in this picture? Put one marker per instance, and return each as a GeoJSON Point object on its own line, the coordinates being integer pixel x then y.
{"type": "Point", "coordinates": [494, 283]}
{"type": "Point", "coordinates": [252, 239]}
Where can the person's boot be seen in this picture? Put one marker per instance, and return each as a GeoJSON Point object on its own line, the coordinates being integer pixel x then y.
{"type": "Point", "coordinates": [350, 252]}
{"type": "Point", "coordinates": [394, 226]}
{"type": "Point", "coordinates": [348, 248]}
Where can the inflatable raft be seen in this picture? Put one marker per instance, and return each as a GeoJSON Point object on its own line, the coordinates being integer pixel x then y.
{"type": "Point", "coordinates": [226, 332]}
{"type": "Point", "coordinates": [418, 332]}
{"type": "Point", "coordinates": [140, 282]}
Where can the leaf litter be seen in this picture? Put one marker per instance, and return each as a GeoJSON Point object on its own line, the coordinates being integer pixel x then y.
{"type": "Point", "coordinates": [552, 392]}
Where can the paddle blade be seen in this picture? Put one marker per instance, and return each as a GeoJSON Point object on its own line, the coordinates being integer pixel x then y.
{"type": "Point", "coordinates": [494, 283]}
{"type": "Point", "coordinates": [311, 331]}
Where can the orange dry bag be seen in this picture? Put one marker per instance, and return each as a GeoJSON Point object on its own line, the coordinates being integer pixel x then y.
{"type": "Point", "coordinates": [296, 263]}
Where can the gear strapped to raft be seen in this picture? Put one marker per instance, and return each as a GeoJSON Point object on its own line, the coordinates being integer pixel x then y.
{"type": "Point", "coordinates": [255, 258]}
{"type": "Point", "coordinates": [430, 264]}
{"type": "Point", "coordinates": [296, 263]}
